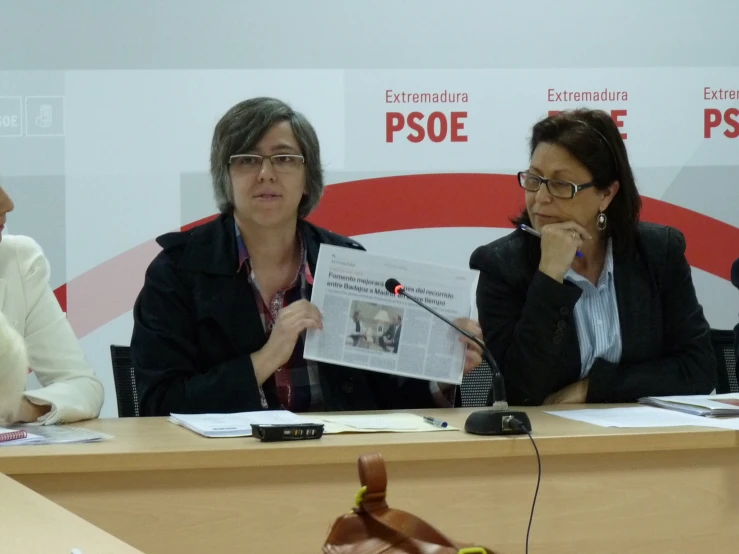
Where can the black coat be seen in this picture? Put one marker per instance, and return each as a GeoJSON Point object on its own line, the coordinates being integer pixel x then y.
{"type": "Point", "coordinates": [528, 324]}
{"type": "Point", "coordinates": [196, 323]}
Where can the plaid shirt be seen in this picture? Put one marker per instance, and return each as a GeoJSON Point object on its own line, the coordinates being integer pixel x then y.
{"type": "Point", "coordinates": [297, 382]}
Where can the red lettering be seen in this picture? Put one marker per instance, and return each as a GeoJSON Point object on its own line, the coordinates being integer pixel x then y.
{"type": "Point", "coordinates": [394, 122]}
{"type": "Point", "coordinates": [433, 135]}
{"type": "Point", "coordinates": [436, 127]}
{"type": "Point", "coordinates": [730, 117]}
{"type": "Point", "coordinates": [458, 126]}
{"type": "Point", "coordinates": [615, 114]}
{"type": "Point", "coordinates": [414, 119]}
{"type": "Point", "coordinates": [711, 119]}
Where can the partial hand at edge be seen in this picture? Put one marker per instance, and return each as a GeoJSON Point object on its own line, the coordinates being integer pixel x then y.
{"type": "Point", "coordinates": [473, 354]}
{"type": "Point", "coordinates": [576, 393]}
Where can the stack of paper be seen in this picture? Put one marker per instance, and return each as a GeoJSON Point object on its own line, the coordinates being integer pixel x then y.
{"type": "Point", "coordinates": [48, 434]}
{"type": "Point", "coordinates": [239, 424]}
{"type": "Point", "coordinates": [235, 425]}
{"type": "Point", "coordinates": [380, 423]}
{"type": "Point", "coordinates": [63, 434]}
{"type": "Point", "coordinates": [643, 417]}
{"type": "Point", "coordinates": [13, 437]}
{"type": "Point", "coordinates": [714, 405]}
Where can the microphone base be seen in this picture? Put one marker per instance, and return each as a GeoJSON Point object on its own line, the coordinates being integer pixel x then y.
{"type": "Point", "coordinates": [497, 422]}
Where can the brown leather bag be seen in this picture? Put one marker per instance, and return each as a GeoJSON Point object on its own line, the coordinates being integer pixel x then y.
{"type": "Point", "coordinates": [374, 528]}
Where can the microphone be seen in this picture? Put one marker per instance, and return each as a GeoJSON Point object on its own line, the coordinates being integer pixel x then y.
{"type": "Point", "coordinates": [735, 273]}
{"type": "Point", "coordinates": [499, 420]}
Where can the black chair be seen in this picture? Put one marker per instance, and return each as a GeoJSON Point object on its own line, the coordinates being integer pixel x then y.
{"type": "Point", "coordinates": [476, 386]}
{"type": "Point", "coordinates": [723, 347]}
{"type": "Point", "coordinates": [125, 381]}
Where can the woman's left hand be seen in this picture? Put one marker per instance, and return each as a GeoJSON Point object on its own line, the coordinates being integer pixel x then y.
{"type": "Point", "coordinates": [30, 412]}
{"type": "Point", "coordinates": [576, 393]}
{"type": "Point", "coordinates": [473, 356]}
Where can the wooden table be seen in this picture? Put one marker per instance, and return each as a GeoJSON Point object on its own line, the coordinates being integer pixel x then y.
{"type": "Point", "coordinates": [31, 524]}
{"type": "Point", "coordinates": [164, 489]}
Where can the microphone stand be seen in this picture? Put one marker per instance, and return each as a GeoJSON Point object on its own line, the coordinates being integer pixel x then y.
{"type": "Point", "coordinates": [499, 420]}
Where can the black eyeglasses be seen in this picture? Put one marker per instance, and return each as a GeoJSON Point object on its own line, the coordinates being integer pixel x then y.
{"type": "Point", "coordinates": [251, 163]}
{"type": "Point", "coordinates": [556, 187]}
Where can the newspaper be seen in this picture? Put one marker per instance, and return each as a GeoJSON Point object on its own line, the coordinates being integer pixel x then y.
{"type": "Point", "coordinates": [367, 327]}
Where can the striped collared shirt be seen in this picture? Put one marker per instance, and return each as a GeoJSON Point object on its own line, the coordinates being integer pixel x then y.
{"type": "Point", "coordinates": [596, 316]}
{"type": "Point", "coordinates": [297, 382]}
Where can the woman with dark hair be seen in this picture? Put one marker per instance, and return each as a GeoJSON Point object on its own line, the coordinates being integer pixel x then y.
{"type": "Point", "coordinates": [220, 322]}
{"type": "Point", "coordinates": [582, 302]}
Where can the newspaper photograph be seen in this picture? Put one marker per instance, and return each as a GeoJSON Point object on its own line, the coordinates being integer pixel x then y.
{"type": "Point", "coordinates": [367, 327]}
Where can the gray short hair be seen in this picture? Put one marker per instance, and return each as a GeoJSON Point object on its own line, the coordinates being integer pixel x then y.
{"type": "Point", "coordinates": [242, 127]}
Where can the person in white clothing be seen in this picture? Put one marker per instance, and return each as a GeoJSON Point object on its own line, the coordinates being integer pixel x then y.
{"type": "Point", "coordinates": [35, 335]}
{"type": "Point", "coordinates": [13, 371]}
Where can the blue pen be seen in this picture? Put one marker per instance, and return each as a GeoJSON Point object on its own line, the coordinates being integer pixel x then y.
{"type": "Point", "coordinates": [435, 422]}
{"type": "Point", "coordinates": [536, 233]}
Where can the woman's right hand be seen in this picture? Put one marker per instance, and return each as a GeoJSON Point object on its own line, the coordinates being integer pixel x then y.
{"type": "Point", "coordinates": [291, 321]}
{"type": "Point", "coordinates": [559, 244]}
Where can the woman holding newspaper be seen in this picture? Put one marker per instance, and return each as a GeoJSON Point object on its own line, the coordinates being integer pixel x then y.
{"type": "Point", "coordinates": [220, 321]}
{"type": "Point", "coordinates": [582, 303]}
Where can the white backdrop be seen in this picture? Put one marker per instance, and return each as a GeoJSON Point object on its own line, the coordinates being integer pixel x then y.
{"type": "Point", "coordinates": [107, 110]}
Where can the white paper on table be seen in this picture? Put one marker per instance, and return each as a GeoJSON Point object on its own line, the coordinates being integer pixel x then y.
{"type": "Point", "coordinates": [237, 424]}
{"type": "Point", "coordinates": [394, 423]}
{"type": "Point", "coordinates": [642, 417]}
{"type": "Point", "coordinates": [28, 439]}
{"type": "Point", "coordinates": [63, 434]}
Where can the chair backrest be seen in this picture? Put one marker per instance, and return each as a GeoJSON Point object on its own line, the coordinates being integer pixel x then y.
{"type": "Point", "coordinates": [724, 348]}
{"type": "Point", "coordinates": [476, 386]}
{"type": "Point", "coordinates": [125, 381]}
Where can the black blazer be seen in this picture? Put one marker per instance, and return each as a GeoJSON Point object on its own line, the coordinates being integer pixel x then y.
{"type": "Point", "coordinates": [735, 282]}
{"type": "Point", "coordinates": [528, 324]}
{"type": "Point", "coordinates": [196, 323]}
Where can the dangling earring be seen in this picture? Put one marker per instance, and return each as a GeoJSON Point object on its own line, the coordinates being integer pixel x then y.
{"type": "Point", "coordinates": [601, 221]}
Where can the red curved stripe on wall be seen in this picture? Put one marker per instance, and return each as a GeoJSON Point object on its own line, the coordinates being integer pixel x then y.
{"type": "Point", "coordinates": [390, 204]}
{"type": "Point", "coordinates": [61, 296]}
{"type": "Point", "coordinates": [198, 222]}
{"type": "Point", "coordinates": [418, 202]}
{"type": "Point", "coordinates": [484, 200]}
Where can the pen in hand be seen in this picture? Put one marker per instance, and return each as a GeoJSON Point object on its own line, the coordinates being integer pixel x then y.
{"type": "Point", "coordinates": [536, 233]}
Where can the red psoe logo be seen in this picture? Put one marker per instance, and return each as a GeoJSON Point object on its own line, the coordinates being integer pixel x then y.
{"type": "Point", "coordinates": [438, 127]}
{"type": "Point", "coordinates": [714, 118]}
{"type": "Point", "coordinates": [616, 115]}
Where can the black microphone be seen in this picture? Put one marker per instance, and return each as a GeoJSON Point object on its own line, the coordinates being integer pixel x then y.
{"type": "Point", "coordinates": [735, 273]}
{"type": "Point", "coordinates": [499, 420]}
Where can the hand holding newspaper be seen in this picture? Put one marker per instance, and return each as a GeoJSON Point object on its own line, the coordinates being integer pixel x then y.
{"type": "Point", "coordinates": [367, 327]}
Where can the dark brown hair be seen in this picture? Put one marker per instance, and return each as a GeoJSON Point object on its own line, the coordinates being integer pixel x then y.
{"type": "Point", "coordinates": [593, 139]}
{"type": "Point", "coordinates": [242, 127]}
